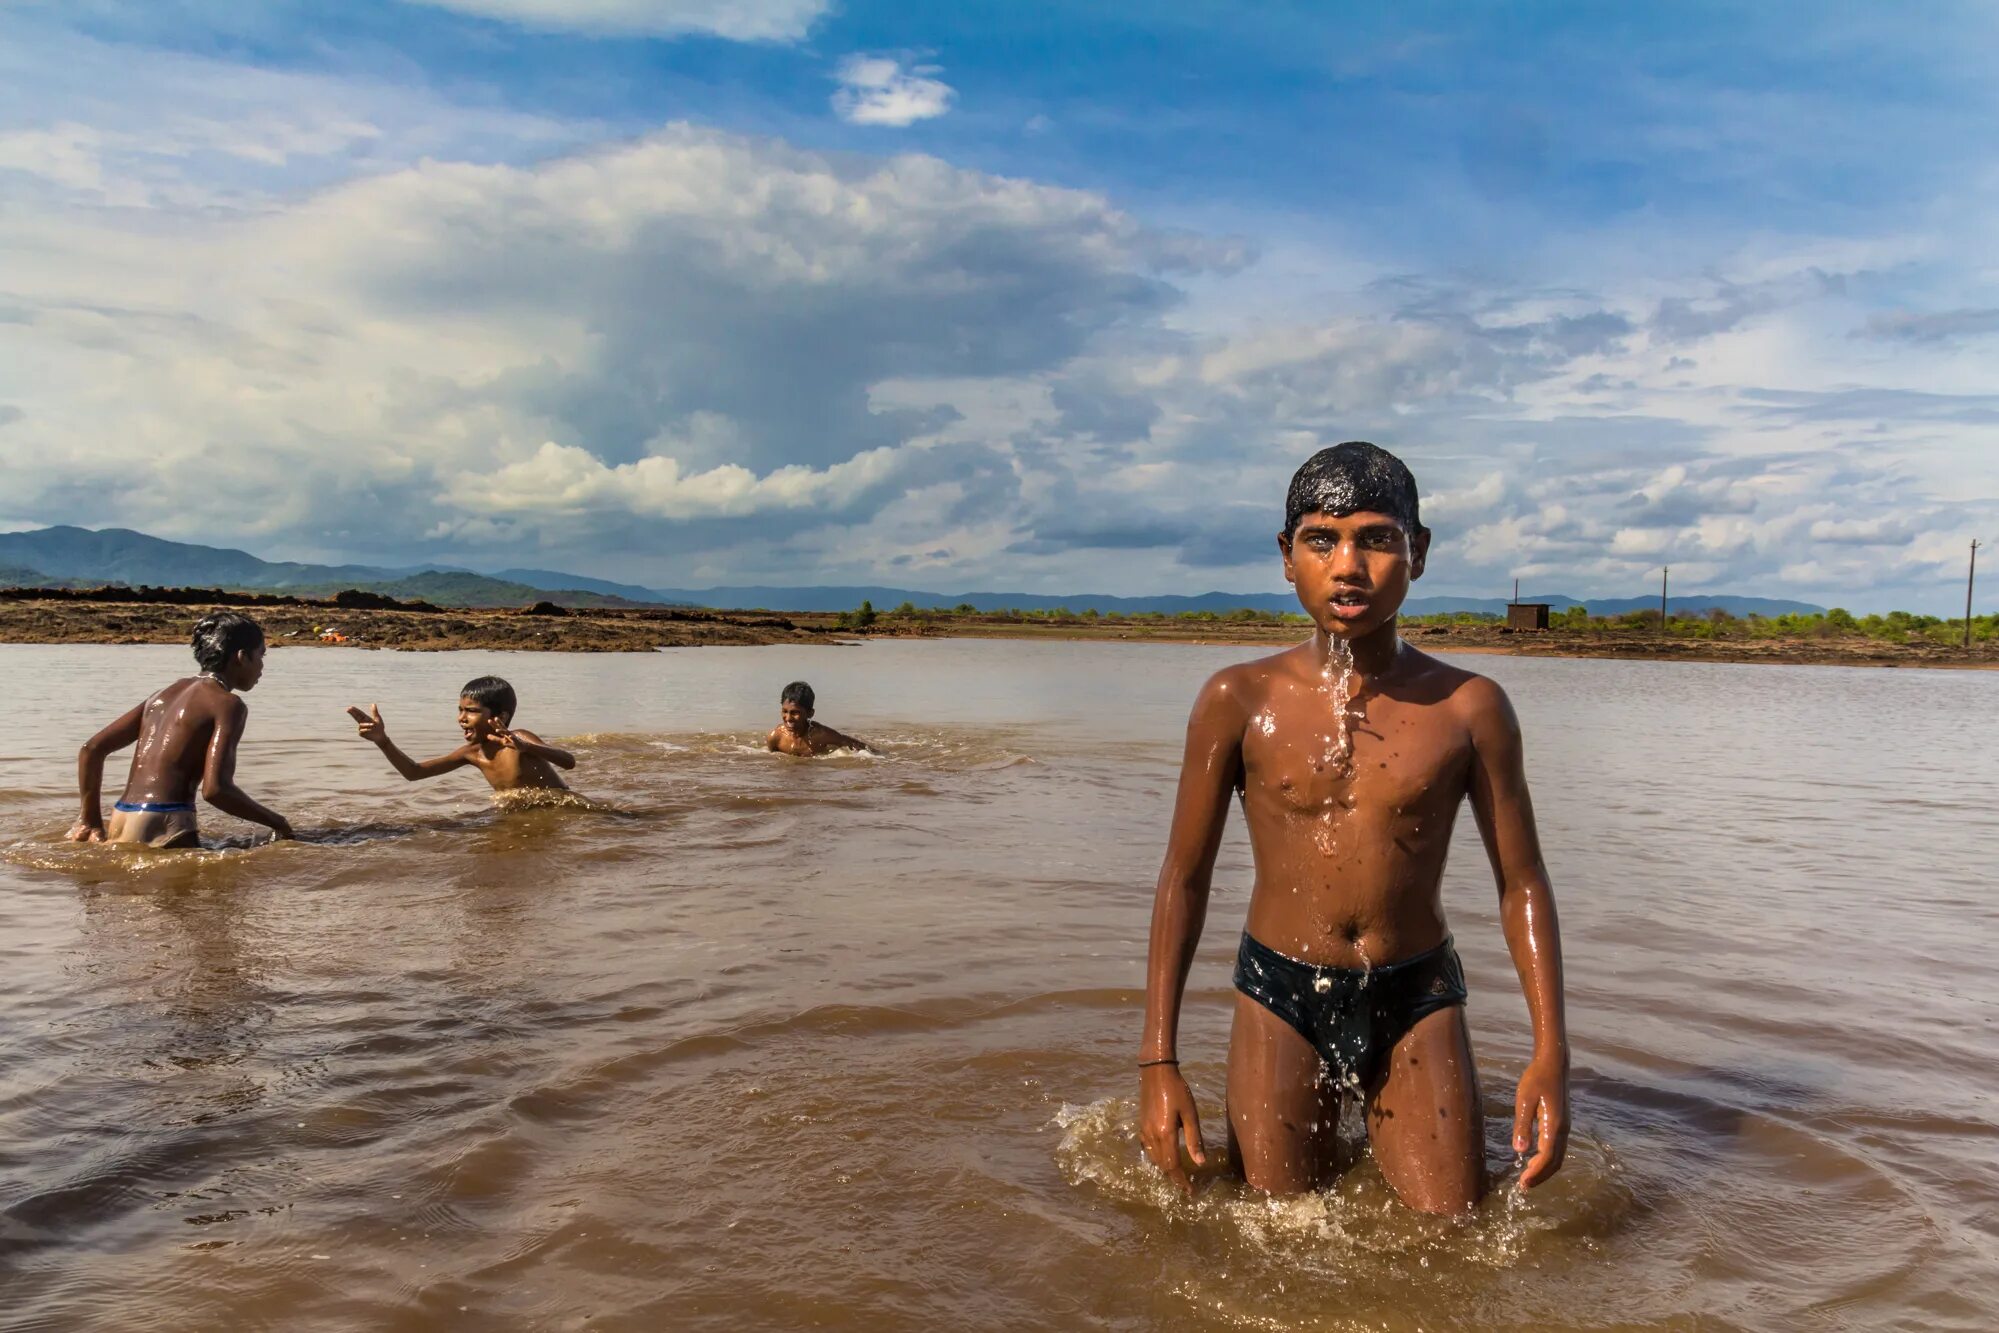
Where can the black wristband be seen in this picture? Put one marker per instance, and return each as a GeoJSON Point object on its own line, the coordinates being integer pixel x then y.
{"type": "Point", "coordinates": [1147, 1064]}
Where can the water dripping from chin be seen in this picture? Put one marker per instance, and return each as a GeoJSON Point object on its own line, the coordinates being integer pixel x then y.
{"type": "Point", "coordinates": [1336, 683]}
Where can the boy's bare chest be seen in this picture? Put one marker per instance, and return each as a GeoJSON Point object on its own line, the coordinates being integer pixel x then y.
{"type": "Point", "coordinates": [501, 765]}
{"type": "Point", "coordinates": [1305, 753]}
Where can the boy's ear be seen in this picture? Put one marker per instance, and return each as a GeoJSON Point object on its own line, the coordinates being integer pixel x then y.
{"type": "Point", "coordinates": [1419, 553]}
{"type": "Point", "coordinates": [1284, 549]}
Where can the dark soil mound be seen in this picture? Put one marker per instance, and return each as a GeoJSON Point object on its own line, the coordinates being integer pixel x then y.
{"type": "Point", "coordinates": [353, 599]}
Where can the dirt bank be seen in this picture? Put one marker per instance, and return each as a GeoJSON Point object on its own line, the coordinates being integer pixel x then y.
{"type": "Point", "coordinates": [1837, 650]}
{"type": "Point", "coordinates": [303, 623]}
{"type": "Point", "coordinates": [296, 622]}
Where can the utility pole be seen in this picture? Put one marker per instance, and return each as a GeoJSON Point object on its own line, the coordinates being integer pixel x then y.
{"type": "Point", "coordinates": [1516, 592]}
{"type": "Point", "coordinates": [1970, 578]}
{"type": "Point", "coordinates": [1664, 571]}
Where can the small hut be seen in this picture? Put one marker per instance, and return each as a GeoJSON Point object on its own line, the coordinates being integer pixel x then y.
{"type": "Point", "coordinates": [1527, 615]}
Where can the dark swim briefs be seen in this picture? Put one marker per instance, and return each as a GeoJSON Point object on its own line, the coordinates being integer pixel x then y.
{"type": "Point", "coordinates": [1352, 1016]}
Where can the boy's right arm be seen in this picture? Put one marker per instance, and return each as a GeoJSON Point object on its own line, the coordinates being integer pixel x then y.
{"type": "Point", "coordinates": [1208, 774]}
{"type": "Point", "coordinates": [90, 772]}
{"type": "Point", "coordinates": [369, 727]}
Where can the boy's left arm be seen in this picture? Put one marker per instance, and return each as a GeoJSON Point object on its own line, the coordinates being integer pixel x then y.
{"type": "Point", "coordinates": [840, 740]}
{"type": "Point", "coordinates": [530, 744]}
{"type": "Point", "coordinates": [1505, 815]}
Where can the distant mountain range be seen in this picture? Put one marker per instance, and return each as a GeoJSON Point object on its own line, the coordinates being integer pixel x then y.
{"type": "Point", "coordinates": [71, 557]}
{"type": "Point", "coordinates": [66, 556]}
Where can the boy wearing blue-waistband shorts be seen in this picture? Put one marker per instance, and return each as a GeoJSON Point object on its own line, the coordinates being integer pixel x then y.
{"type": "Point", "coordinates": [186, 736]}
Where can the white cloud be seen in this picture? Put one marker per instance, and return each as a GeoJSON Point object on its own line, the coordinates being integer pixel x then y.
{"type": "Point", "coordinates": [90, 123]}
{"type": "Point", "coordinates": [330, 318]}
{"type": "Point", "coordinates": [876, 90]}
{"type": "Point", "coordinates": [682, 329]}
{"type": "Point", "coordinates": [738, 20]}
{"type": "Point", "coordinates": [564, 479]}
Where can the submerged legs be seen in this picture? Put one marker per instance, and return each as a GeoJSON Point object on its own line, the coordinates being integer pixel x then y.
{"type": "Point", "coordinates": [1423, 1116]}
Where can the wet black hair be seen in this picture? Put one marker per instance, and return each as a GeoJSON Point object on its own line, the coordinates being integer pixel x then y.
{"type": "Point", "coordinates": [490, 693]}
{"type": "Point", "coordinates": [1349, 478]}
{"type": "Point", "coordinates": [798, 692]}
{"type": "Point", "coordinates": [220, 635]}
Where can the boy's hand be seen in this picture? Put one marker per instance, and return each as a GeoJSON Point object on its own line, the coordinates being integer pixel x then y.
{"type": "Point", "coordinates": [506, 738]}
{"type": "Point", "coordinates": [282, 830]}
{"type": "Point", "coordinates": [1541, 1118]}
{"type": "Point", "coordinates": [368, 725]}
{"type": "Point", "coordinates": [85, 831]}
{"type": "Point", "coordinates": [1166, 1119]}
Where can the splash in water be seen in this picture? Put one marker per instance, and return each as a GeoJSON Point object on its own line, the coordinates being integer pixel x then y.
{"type": "Point", "coordinates": [1352, 1233]}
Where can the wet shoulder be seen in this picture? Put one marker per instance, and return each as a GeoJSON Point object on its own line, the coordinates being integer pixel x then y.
{"type": "Point", "coordinates": [198, 698]}
{"type": "Point", "coordinates": [1241, 688]}
{"type": "Point", "coordinates": [174, 690]}
{"type": "Point", "coordinates": [222, 703]}
{"type": "Point", "coordinates": [1472, 698]}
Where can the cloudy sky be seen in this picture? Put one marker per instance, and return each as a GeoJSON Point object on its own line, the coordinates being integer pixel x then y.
{"type": "Point", "coordinates": [1020, 296]}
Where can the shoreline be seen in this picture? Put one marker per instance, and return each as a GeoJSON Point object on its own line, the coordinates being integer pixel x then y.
{"type": "Point", "coordinates": [1854, 651]}
{"type": "Point", "coordinates": [300, 624]}
{"type": "Point", "coordinates": [72, 619]}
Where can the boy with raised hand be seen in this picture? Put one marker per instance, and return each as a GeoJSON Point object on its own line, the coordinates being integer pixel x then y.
{"type": "Point", "coordinates": [1351, 754]}
{"type": "Point", "coordinates": [187, 736]}
{"type": "Point", "coordinates": [797, 734]}
{"type": "Point", "coordinates": [510, 759]}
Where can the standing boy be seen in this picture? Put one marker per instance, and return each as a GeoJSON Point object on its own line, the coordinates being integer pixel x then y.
{"type": "Point", "coordinates": [187, 736]}
{"type": "Point", "coordinates": [796, 733]}
{"type": "Point", "coordinates": [1351, 754]}
{"type": "Point", "coordinates": [506, 756]}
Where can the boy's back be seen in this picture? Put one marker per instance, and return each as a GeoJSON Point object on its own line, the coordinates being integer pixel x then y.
{"type": "Point", "coordinates": [176, 726]}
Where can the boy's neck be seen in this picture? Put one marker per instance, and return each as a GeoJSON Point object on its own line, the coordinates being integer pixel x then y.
{"type": "Point", "coordinates": [1373, 652]}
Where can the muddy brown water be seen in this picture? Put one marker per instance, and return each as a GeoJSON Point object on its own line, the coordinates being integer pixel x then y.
{"type": "Point", "coordinates": [757, 1043]}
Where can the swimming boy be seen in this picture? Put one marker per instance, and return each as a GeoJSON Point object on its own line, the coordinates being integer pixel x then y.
{"type": "Point", "coordinates": [187, 736]}
{"type": "Point", "coordinates": [1350, 754]}
{"type": "Point", "coordinates": [506, 756]}
{"type": "Point", "coordinates": [796, 732]}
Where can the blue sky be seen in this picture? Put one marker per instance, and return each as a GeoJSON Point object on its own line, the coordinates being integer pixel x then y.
{"type": "Point", "coordinates": [1039, 297]}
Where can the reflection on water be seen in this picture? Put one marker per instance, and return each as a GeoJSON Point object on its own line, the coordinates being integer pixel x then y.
{"type": "Point", "coordinates": [735, 1040]}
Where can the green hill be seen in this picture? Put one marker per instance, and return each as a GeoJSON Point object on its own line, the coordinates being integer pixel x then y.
{"type": "Point", "coordinates": [20, 576]}
{"type": "Point", "coordinates": [84, 558]}
{"type": "Point", "coordinates": [119, 555]}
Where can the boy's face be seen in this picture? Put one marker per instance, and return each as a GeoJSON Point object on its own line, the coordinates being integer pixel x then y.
{"type": "Point", "coordinates": [797, 718]}
{"type": "Point", "coordinates": [246, 668]}
{"type": "Point", "coordinates": [1351, 572]}
{"type": "Point", "coordinates": [476, 720]}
